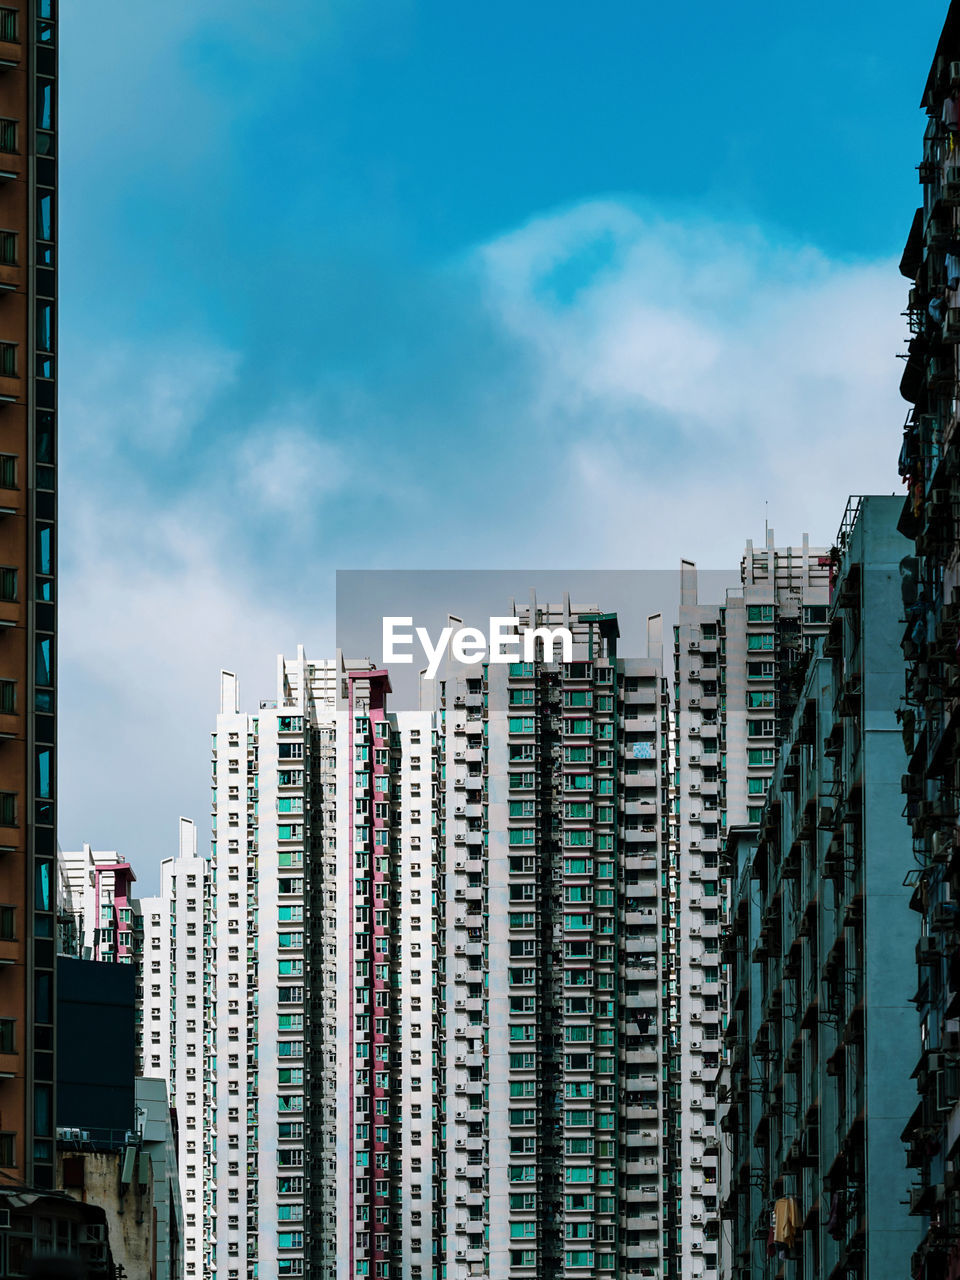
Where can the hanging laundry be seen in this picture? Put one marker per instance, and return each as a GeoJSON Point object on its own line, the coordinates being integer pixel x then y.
{"type": "Point", "coordinates": [786, 1215]}
{"type": "Point", "coordinates": [834, 1223]}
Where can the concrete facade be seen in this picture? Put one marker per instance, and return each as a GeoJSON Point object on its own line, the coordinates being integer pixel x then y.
{"type": "Point", "coordinates": [822, 1029]}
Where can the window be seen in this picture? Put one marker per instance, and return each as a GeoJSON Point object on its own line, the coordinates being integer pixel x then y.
{"type": "Point", "coordinates": [523, 724]}
{"type": "Point", "coordinates": [760, 728]}
{"type": "Point", "coordinates": [759, 612]}
{"type": "Point", "coordinates": [522, 808]}
{"type": "Point", "coordinates": [44, 107]}
{"type": "Point", "coordinates": [760, 698]}
{"type": "Point", "coordinates": [522, 835]}
{"type": "Point", "coordinates": [44, 326]}
{"type": "Point", "coordinates": [8, 696]}
{"type": "Point", "coordinates": [578, 728]}
{"type": "Point", "coordinates": [45, 216]}
{"type": "Point", "coordinates": [760, 670]}
{"type": "Point", "coordinates": [522, 697]}
{"type": "Point", "coordinates": [7, 1029]}
{"type": "Point", "coordinates": [760, 640]}
{"type": "Point", "coordinates": [578, 698]}
{"type": "Point", "coordinates": [8, 808]}
{"type": "Point", "coordinates": [8, 583]}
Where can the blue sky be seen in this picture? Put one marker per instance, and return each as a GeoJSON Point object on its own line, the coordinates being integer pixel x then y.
{"type": "Point", "coordinates": [425, 284]}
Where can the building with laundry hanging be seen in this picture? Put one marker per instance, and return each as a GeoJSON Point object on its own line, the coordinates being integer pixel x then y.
{"type": "Point", "coordinates": [822, 1034]}
{"type": "Point", "coordinates": [930, 613]}
{"type": "Point", "coordinates": [737, 668]}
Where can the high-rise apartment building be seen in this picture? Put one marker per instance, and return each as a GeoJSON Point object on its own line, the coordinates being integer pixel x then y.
{"type": "Point", "coordinates": [171, 1027]}
{"type": "Point", "coordinates": [551, 914]}
{"type": "Point", "coordinates": [270, 1162]}
{"type": "Point", "coordinates": [28, 274]}
{"type": "Point", "coordinates": [389, 1034]}
{"type": "Point", "coordinates": [930, 612]}
{"type": "Point", "coordinates": [99, 912]}
{"type": "Point", "coordinates": [737, 666]}
{"type": "Point", "coordinates": [822, 1035]}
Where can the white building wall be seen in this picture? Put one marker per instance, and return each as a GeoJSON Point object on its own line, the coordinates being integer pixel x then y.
{"type": "Point", "coordinates": [173, 1019]}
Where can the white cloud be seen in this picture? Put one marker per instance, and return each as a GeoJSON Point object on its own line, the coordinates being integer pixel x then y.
{"type": "Point", "coordinates": [700, 370]}
{"type": "Point", "coordinates": [149, 396]}
{"type": "Point", "coordinates": [142, 644]}
{"type": "Point", "coordinates": [283, 466]}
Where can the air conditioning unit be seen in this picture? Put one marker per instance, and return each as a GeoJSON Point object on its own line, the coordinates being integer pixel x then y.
{"type": "Point", "coordinates": [461, 1142]}
{"type": "Point", "coordinates": [928, 950]}
{"type": "Point", "coordinates": [461, 1115]}
{"type": "Point", "coordinates": [942, 845]}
